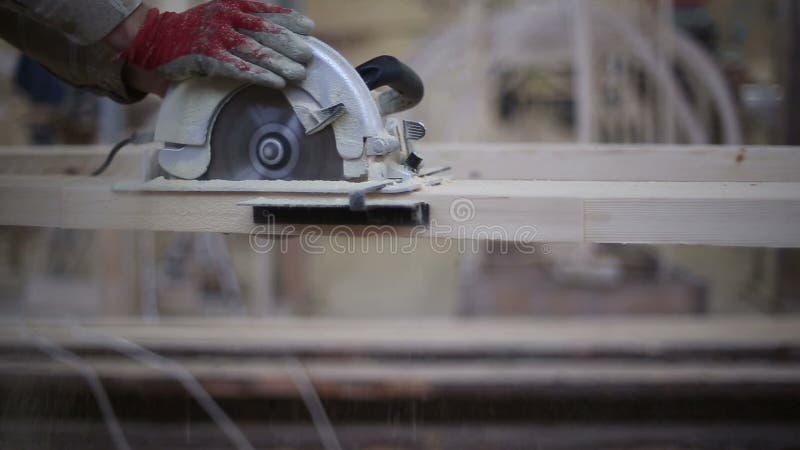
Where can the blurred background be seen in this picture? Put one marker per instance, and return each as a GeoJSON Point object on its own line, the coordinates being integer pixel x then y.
{"type": "Point", "coordinates": [666, 72]}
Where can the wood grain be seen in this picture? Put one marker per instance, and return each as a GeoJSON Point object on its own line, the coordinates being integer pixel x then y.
{"type": "Point", "coordinates": [736, 214]}
{"type": "Point", "coordinates": [719, 382]}
{"type": "Point", "coordinates": [510, 161]}
{"type": "Point", "coordinates": [612, 162]}
{"type": "Point", "coordinates": [644, 337]}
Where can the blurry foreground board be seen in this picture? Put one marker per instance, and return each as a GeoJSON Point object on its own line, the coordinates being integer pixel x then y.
{"type": "Point", "coordinates": [643, 383]}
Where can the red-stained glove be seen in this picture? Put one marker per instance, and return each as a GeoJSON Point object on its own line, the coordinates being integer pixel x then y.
{"type": "Point", "coordinates": [240, 39]}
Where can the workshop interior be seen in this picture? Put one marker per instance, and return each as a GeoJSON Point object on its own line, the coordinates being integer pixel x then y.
{"type": "Point", "coordinates": [470, 224]}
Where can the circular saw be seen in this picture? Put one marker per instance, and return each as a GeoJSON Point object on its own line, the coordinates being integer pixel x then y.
{"type": "Point", "coordinates": [332, 127]}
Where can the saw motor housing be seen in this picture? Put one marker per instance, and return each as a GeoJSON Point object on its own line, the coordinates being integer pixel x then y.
{"type": "Point", "coordinates": [372, 147]}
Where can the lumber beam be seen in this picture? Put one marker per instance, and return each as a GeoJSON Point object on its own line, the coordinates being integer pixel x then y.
{"type": "Point", "coordinates": [509, 161]}
{"type": "Point", "coordinates": [74, 160]}
{"type": "Point", "coordinates": [614, 162]}
{"type": "Point", "coordinates": [392, 359]}
{"type": "Point", "coordinates": [660, 338]}
{"type": "Point", "coordinates": [734, 214]}
{"type": "Point", "coordinates": [707, 382]}
{"type": "Point", "coordinates": [409, 433]}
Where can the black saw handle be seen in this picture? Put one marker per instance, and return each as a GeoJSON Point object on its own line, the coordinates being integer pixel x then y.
{"type": "Point", "coordinates": [406, 86]}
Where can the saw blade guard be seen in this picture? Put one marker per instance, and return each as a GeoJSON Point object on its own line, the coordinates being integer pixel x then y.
{"type": "Point", "coordinates": [334, 94]}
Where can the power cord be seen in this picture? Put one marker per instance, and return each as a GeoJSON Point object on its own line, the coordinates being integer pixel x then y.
{"type": "Point", "coordinates": [134, 139]}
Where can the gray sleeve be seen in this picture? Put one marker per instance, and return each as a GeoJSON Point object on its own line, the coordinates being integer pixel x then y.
{"type": "Point", "coordinates": [84, 21]}
{"type": "Point", "coordinates": [86, 66]}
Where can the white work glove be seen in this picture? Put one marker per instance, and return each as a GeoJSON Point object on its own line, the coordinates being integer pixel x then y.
{"type": "Point", "coordinates": [245, 40]}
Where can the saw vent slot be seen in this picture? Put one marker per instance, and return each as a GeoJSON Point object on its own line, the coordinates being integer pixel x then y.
{"type": "Point", "coordinates": [402, 215]}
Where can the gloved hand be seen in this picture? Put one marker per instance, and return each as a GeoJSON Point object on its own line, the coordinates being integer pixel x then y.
{"type": "Point", "coordinates": [245, 40]}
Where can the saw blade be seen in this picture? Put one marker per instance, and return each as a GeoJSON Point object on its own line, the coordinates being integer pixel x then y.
{"type": "Point", "coordinates": [257, 136]}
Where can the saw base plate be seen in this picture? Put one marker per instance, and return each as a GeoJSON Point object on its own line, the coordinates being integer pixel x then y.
{"type": "Point", "coordinates": [398, 214]}
{"type": "Point", "coordinates": [269, 186]}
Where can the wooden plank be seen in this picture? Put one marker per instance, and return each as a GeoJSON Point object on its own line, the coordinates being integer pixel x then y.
{"type": "Point", "coordinates": [610, 397]}
{"type": "Point", "coordinates": [594, 162]}
{"type": "Point", "coordinates": [73, 160]}
{"type": "Point", "coordinates": [407, 433]}
{"type": "Point", "coordinates": [348, 359]}
{"type": "Point", "coordinates": [653, 338]}
{"type": "Point", "coordinates": [509, 161]}
{"type": "Point", "coordinates": [736, 214]}
{"type": "Point", "coordinates": [348, 379]}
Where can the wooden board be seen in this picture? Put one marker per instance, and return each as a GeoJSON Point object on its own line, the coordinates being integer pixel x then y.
{"type": "Point", "coordinates": [594, 162]}
{"type": "Point", "coordinates": [426, 358]}
{"type": "Point", "coordinates": [510, 161]}
{"type": "Point", "coordinates": [360, 380]}
{"type": "Point", "coordinates": [414, 434]}
{"type": "Point", "coordinates": [74, 160]}
{"type": "Point", "coordinates": [737, 214]}
{"type": "Point", "coordinates": [632, 383]}
{"type": "Point", "coordinates": [653, 338]}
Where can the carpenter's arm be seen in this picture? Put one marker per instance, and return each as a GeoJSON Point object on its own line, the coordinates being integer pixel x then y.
{"type": "Point", "coordinates": [120, 38]}
{"type": "Point", "coordinates": [89, 24]}
{"type": "Point", "coordinates": [85, 22]}
{"type": "Point", "coordinates": [86, 65]}
{"type": "Point", "coordinates": [139, 49]}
